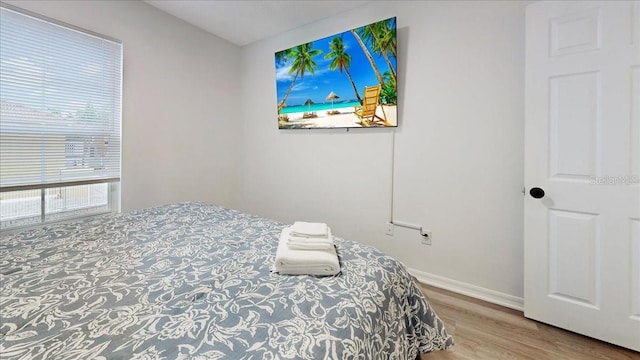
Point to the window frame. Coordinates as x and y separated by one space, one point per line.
113 183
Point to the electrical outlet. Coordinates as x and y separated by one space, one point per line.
389 230
426 239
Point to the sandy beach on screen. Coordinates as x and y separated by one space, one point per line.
346 118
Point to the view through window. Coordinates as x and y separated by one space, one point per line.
60 120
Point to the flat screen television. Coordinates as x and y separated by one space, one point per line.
346 80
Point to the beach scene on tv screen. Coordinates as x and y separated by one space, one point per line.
345 80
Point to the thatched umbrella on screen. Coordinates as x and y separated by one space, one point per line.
309 102
332 96
309 114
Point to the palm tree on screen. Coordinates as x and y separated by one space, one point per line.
282 57
382 37
302 56
368 55
341 60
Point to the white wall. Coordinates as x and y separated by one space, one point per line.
180 88
458 150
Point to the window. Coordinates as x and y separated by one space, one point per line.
60 116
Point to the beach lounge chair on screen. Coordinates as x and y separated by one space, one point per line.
367 112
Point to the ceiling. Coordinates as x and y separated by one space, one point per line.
243 22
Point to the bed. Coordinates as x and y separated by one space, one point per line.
194 281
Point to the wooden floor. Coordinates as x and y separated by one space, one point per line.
483 330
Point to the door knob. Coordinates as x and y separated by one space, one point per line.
536 192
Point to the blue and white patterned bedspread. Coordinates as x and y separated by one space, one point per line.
193 280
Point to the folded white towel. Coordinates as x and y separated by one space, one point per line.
308 243
307 229
301 262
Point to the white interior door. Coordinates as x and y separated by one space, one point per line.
582 147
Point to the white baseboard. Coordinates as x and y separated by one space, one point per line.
495 297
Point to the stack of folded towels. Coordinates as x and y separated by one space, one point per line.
307 249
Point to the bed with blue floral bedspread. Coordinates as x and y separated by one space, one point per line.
193 281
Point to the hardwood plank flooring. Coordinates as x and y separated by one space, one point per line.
482 330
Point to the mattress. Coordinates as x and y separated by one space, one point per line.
194 281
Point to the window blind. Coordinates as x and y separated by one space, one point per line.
60 104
